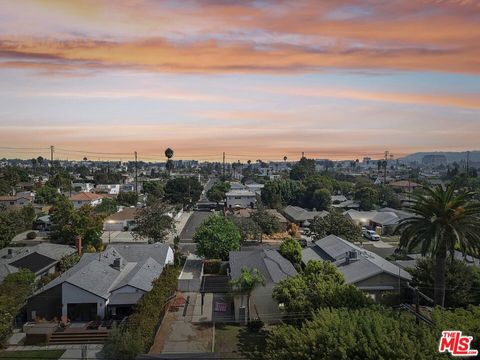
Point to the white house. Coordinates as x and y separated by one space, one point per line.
240 199
122 220
101 284
86 198
111 189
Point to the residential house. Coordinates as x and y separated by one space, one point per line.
111 189
86 198
411 260
384 221
123 220
102 284
254 187
301 216
273 267
43 223
15 201
83 186
240 199
41 259
362 268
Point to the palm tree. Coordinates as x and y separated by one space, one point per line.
169 155
444 219
285 158
246 283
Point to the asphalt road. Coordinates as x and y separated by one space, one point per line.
186 236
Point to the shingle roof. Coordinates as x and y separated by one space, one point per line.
271 265
240 193
125 214
300 214
385 218
141 264
368 264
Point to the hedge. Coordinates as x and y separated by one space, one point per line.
138 333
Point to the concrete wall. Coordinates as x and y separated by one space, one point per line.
74 295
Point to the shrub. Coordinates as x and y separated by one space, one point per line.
255 325
212 266
31 235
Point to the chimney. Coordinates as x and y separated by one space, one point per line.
78 245
9 253
117 263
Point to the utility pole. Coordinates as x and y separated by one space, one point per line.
468 160
303 154
223 168
136 174
52 149
385 168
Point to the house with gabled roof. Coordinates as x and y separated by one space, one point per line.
273 267
102 284
362 268
86 198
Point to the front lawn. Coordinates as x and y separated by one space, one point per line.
32 354
235 340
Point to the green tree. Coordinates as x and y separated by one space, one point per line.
321 199
388 197
320 285
68 261
343 334
462 282
267 222
127 198
367 197
443 220
13 222
291 250
246 284
217 191
107 207
216 237
4 187
335 224
154 189
184 191
47 195
154 222
281 192
249 229
302 169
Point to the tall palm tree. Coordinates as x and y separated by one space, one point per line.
246 283
444 219
169 164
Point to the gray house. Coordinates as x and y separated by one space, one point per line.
274 268
301 216
364 269
102 284
41 259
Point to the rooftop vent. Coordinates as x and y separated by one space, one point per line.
351 256
117 263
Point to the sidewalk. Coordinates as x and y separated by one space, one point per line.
179 225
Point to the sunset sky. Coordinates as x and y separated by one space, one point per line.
336 79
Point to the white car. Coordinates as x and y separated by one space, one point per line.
372 235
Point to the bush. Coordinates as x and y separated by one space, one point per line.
31 235
137 334
255 326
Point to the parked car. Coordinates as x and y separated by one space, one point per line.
372 235
303 242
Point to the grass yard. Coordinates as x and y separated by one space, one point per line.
234 340
32 354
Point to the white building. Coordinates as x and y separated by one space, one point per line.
86 198
111 189
240 199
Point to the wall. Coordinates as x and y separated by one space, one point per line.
74 295
47 304
261 301
240 201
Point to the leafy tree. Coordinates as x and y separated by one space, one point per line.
14 291
281 192
47 195
107 207
462 282
127 198
320 285
249 229
388 197
335 224
246 284
183 191
4 187
267 222
13 222
368 333
321 199
367 197
444 219
216 237
291 250
61 180
68 223
217 191
302 169
154 189
68 261
154 222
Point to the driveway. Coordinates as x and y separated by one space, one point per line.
193 222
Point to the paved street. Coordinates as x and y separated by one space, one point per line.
186 236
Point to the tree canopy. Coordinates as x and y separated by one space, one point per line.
13 222
335 224
154 222
216 237
291 250
184 191
302 169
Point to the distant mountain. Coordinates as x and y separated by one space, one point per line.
451 156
